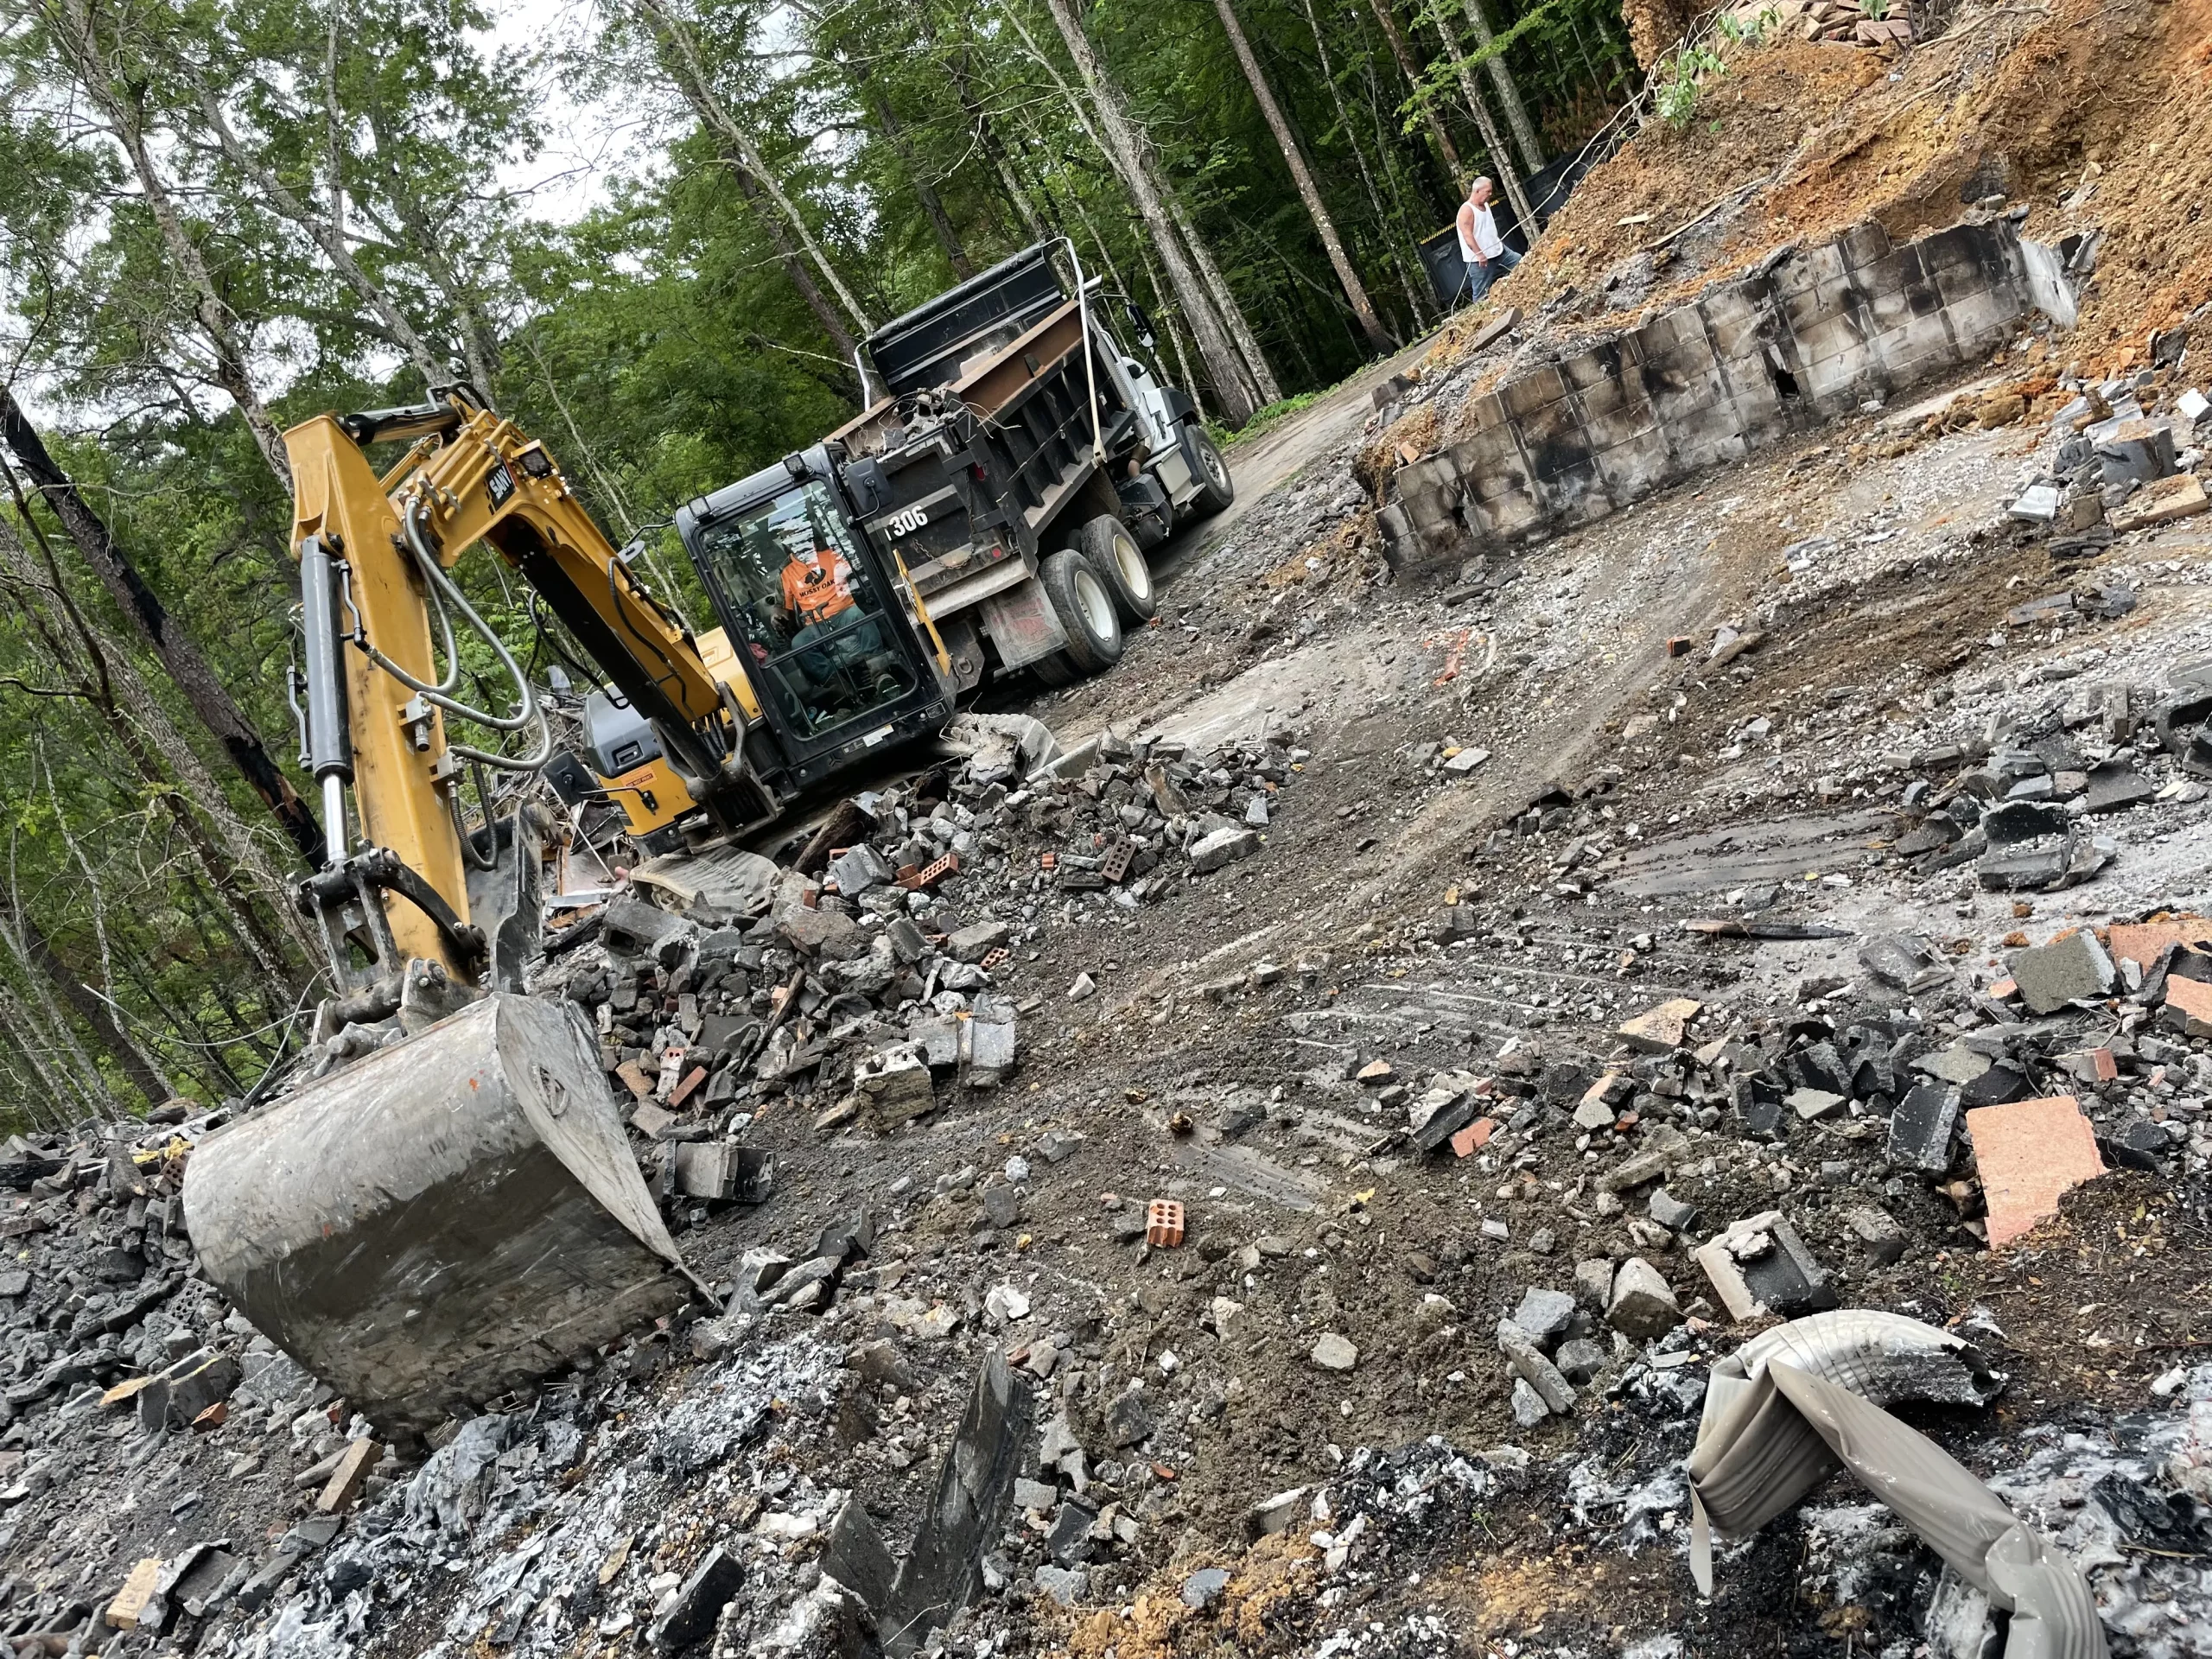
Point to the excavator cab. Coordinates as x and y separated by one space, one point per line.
818 622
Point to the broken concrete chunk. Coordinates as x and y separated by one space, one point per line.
1529 1363
1528 1408
1878 1230
2029 1151
1333 1353
1922 1128
1223 847
1661 1030
1642 1306
1579 1359
1759 1265
2067 970
1671 1212
689 1617
972 943
1593 1283
1546 1314
858 868
1811 1103
1956 1064
1438 1115
1895 959
2116 785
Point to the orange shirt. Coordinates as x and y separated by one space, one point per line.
813 594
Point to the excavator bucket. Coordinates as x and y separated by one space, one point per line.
447 1219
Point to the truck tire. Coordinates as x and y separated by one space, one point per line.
1085 605
1216 489
1106 542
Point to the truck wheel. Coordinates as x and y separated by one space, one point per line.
1085 606
1106 542
1215 488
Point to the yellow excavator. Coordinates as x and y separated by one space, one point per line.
456 1213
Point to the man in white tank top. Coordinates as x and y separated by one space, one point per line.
1483 248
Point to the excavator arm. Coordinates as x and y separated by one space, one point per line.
383 618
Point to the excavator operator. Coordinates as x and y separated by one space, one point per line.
817 585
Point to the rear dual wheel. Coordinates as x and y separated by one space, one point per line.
1120 563
1086 606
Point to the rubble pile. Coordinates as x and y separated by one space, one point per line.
1841 22
870 984
2120 455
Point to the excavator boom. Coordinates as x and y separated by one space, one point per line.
459 1210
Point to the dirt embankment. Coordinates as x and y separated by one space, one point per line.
2094 116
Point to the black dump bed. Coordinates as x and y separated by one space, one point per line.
929 346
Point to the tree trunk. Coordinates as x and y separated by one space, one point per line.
1412 68
329 236
180 654
1509 94
1226 305
679 55
1166 308
51 1024
136 1064
117 103
925 193
21 1020
107 680
1493 141
1124 146
832 320
1347 277
1382 214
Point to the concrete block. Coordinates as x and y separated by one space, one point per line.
1580 497
1532 391
1863 244
1554 438
1710 448
1487 410
1509 513
1637 466
1614 406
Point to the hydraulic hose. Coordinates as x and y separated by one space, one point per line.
442 591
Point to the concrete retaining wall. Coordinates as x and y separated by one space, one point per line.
1810 335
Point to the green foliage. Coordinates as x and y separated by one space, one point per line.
1681 82
1733 28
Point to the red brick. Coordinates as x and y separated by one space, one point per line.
2188 1005
1163 1223
1472 1138
2029 1151
681 1092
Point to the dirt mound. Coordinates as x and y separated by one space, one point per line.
2094 116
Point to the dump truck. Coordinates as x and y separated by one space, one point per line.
992 510
456 1214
